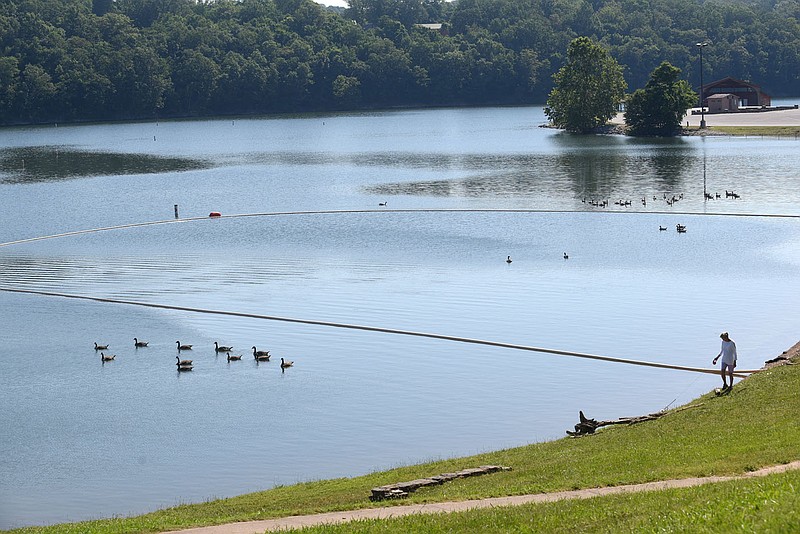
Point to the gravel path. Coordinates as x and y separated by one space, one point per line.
294 522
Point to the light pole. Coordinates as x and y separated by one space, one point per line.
700 47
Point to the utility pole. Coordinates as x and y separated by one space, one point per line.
700 46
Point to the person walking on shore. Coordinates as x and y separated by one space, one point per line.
728 354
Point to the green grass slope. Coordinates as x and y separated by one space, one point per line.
770 504
754 426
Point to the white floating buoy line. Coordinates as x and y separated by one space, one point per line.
738 373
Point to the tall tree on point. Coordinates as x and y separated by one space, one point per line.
588 89
659 108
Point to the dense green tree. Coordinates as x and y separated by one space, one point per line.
36 92
347 90
146 12
101 7
195 79
659 108
9 79
588 89
141 81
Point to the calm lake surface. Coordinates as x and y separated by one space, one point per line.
94 439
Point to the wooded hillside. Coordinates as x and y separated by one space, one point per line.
64 60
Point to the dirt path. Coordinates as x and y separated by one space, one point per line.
299 521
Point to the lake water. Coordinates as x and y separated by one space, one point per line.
94 439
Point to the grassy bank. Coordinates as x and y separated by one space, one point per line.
755 131
771 504
754 426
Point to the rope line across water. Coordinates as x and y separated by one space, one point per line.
738 373
387 210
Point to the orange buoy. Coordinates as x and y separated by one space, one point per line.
215 214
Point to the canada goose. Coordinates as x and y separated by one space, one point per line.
183 347
104 358
565 256
286 363
234 358
508 259
662 228
182 363
137 343
100 347
183 368
260 352
381 203
262 357
221 348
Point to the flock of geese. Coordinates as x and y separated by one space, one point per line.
187 365
669 199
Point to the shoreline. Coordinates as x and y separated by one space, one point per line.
311 503
773 119
343 517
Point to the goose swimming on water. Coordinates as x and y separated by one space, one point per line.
221 348
183 347
137 343
182 363
261 355
100 347
104 358
234 358
286 363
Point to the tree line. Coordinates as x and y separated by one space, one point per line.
65 60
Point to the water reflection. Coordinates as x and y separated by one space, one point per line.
601 172
53 163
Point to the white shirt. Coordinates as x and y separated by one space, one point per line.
728 352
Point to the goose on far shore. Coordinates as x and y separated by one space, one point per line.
100 347
221 348
183 347
137 343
